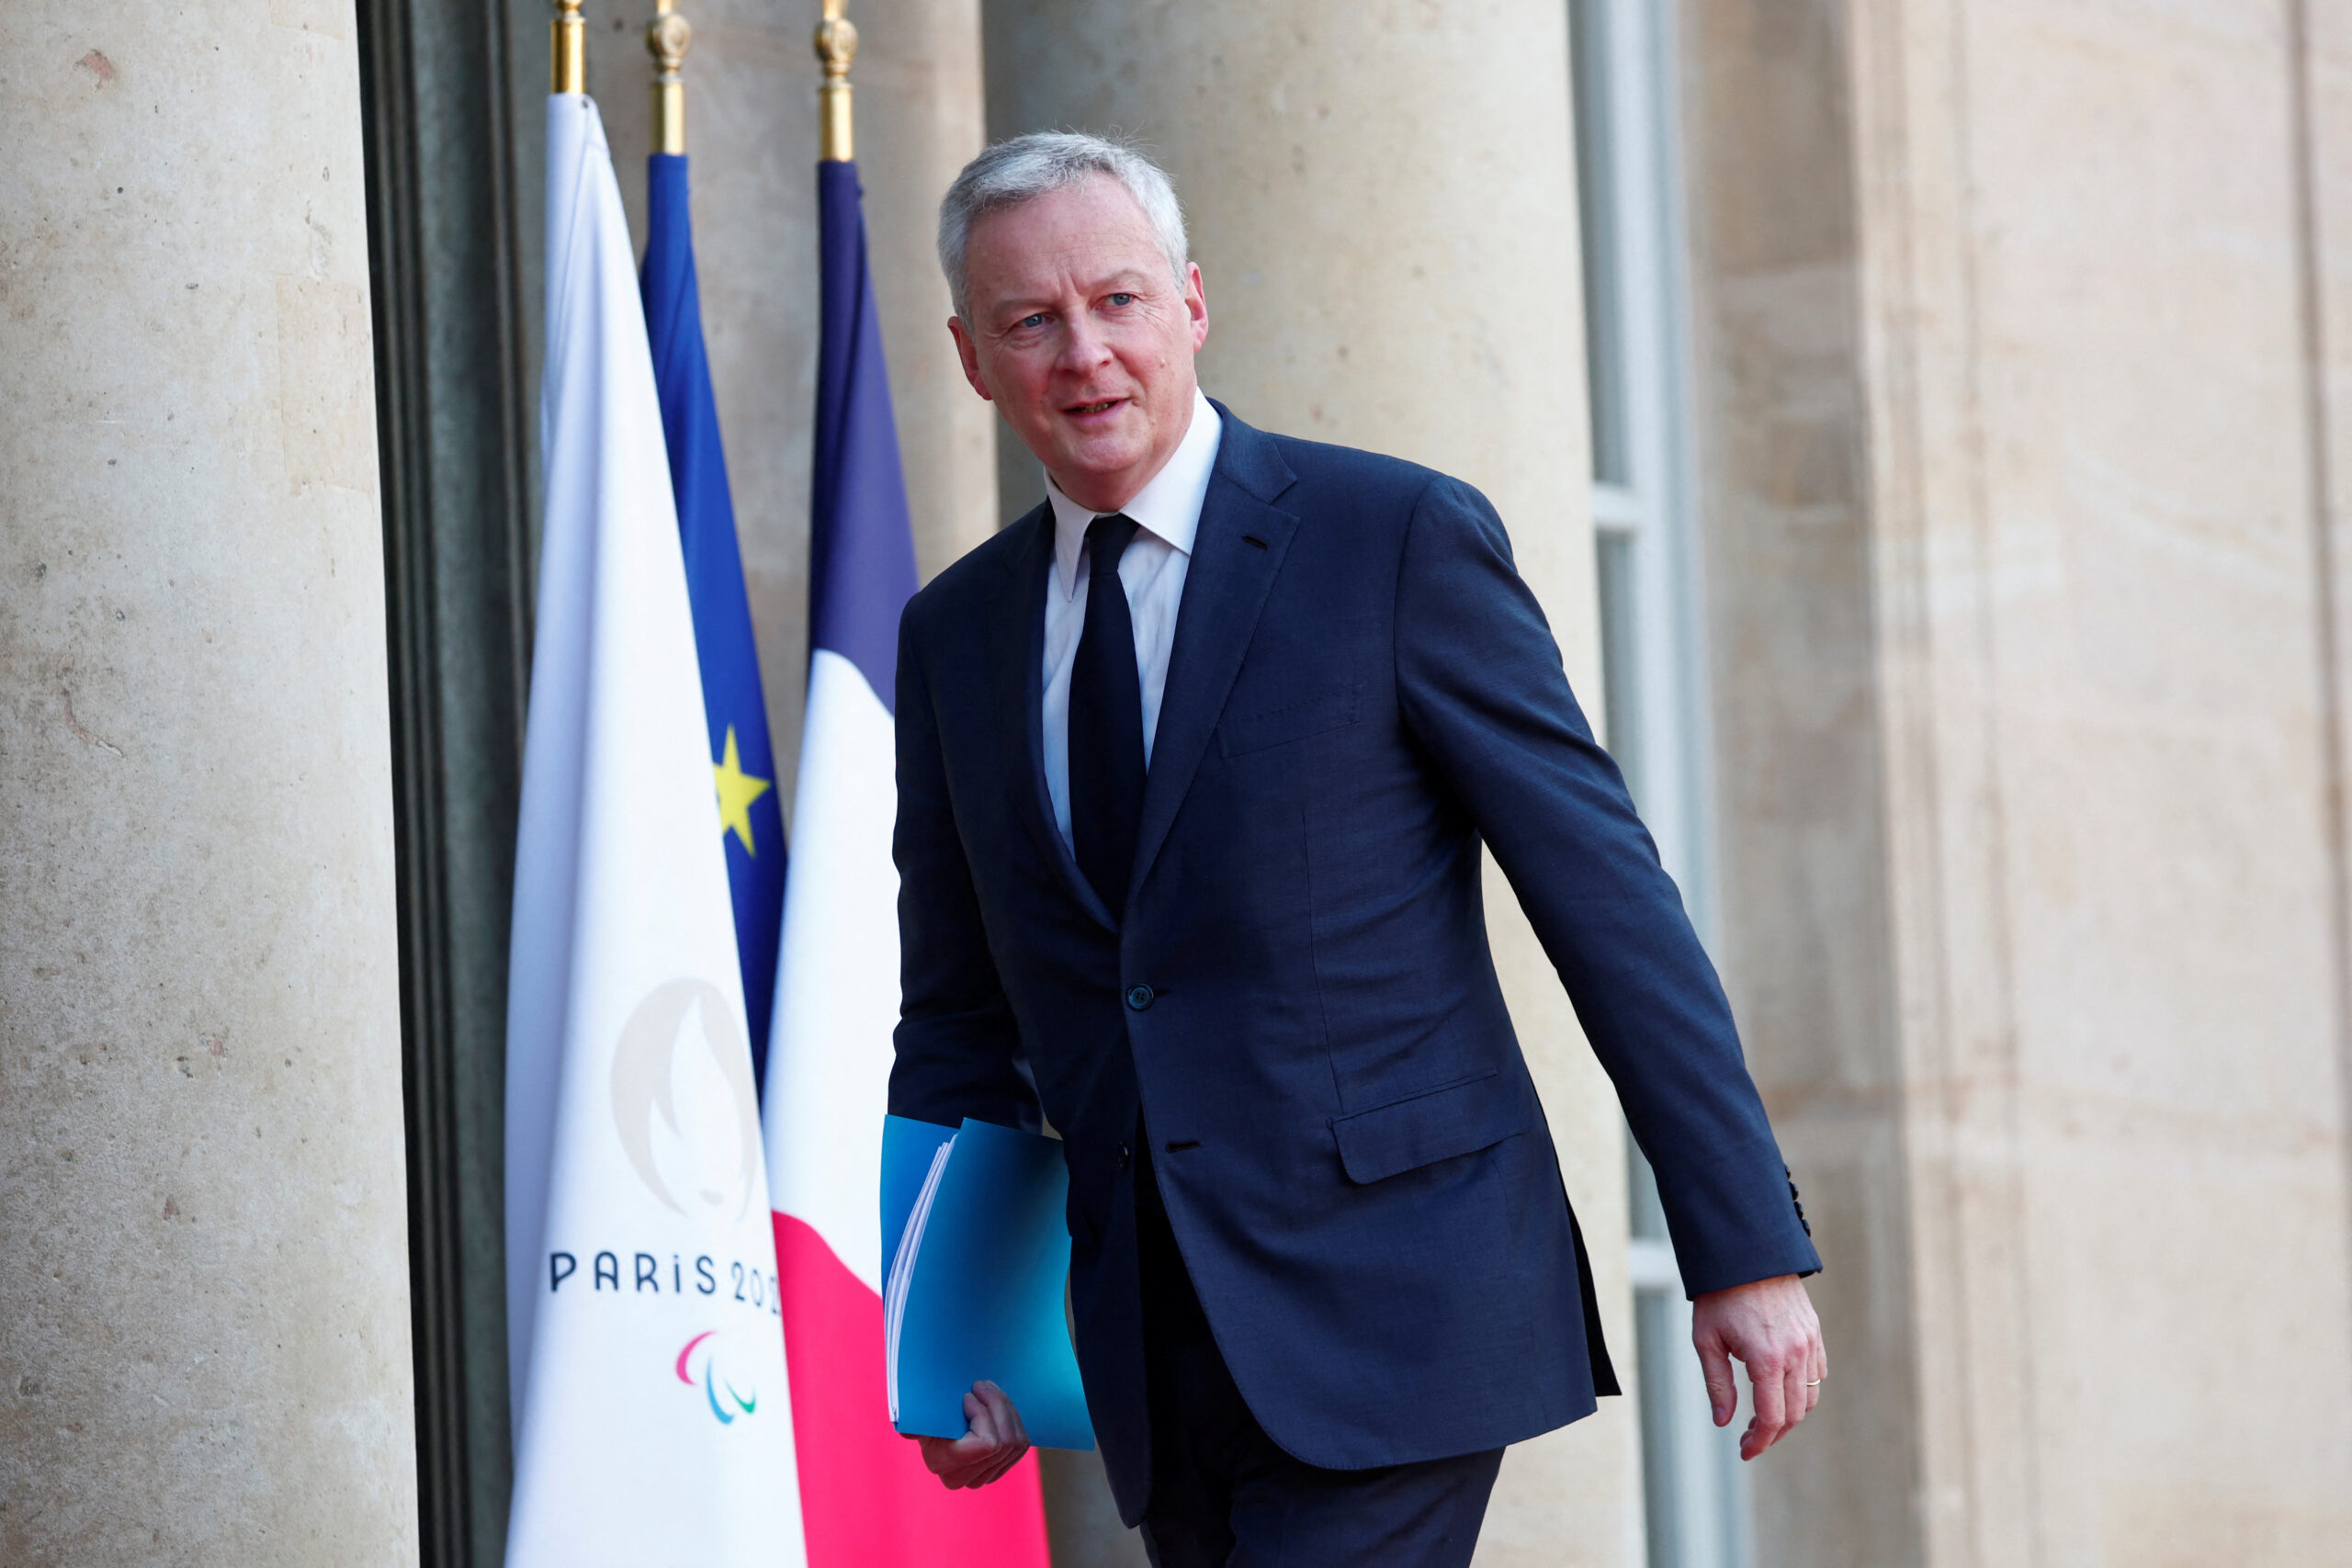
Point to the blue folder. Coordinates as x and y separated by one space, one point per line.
973 1225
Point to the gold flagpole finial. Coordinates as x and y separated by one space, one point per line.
836 46
667 39
568 48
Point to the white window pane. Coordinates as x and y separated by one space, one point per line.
1694 1499
1597 211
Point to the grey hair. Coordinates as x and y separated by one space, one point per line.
1026 167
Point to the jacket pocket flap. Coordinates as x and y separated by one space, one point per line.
1459 1119
1293 721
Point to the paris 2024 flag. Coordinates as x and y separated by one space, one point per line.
869 1501
652 1411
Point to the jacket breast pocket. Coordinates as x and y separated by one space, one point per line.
1459 1119
1292 721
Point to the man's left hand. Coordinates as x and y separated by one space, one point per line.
993 1444
1769 1326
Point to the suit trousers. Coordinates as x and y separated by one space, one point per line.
1224 1494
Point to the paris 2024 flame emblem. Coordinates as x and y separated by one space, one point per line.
689 1122
683 1100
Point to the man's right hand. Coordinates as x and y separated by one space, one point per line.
1771 1326
993 1444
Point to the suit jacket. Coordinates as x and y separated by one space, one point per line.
1300 1002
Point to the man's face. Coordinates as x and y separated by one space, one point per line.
1082 338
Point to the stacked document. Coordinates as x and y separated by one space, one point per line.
973 1224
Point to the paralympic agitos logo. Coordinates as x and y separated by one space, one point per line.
726 1401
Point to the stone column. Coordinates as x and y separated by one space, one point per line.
204 1339
1382 199
920 119
1803 921
2024 360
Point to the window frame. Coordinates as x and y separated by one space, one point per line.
1697 1509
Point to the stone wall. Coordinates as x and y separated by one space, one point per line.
204 1332
2017 356
1784 495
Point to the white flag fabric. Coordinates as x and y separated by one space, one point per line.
652 1423
837 972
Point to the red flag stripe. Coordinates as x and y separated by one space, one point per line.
865 1499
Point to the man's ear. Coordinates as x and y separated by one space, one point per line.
1196 304
967 353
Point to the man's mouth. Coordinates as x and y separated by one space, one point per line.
1104 406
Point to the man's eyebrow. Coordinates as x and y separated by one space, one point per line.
1125 280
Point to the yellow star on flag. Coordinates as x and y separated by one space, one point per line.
737 790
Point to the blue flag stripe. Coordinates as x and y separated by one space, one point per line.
861 557
734 705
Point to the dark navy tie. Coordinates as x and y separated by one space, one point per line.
1106 766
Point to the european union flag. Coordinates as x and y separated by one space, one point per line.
750 812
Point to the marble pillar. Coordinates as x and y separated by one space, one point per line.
1802 902
920 119
204 1331
1382 199
2023 356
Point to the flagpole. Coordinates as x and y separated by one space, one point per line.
568 48
836 46
667 39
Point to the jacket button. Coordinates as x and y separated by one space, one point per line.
1139 997
1124 1156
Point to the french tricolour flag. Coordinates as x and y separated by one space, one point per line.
867 1500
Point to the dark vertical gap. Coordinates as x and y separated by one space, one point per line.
452 443
516 437
405 461
506 535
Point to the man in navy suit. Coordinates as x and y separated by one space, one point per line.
1195 763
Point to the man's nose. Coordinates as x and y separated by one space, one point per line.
1085 347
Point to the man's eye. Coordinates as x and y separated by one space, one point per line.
1036 321
1122 300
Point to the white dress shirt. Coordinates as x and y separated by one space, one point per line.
1168 513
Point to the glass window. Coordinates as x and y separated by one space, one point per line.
1596 198
1620 694
1695 1500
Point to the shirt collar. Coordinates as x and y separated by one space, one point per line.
1168 508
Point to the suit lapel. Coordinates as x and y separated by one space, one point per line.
1017 651
1236 553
